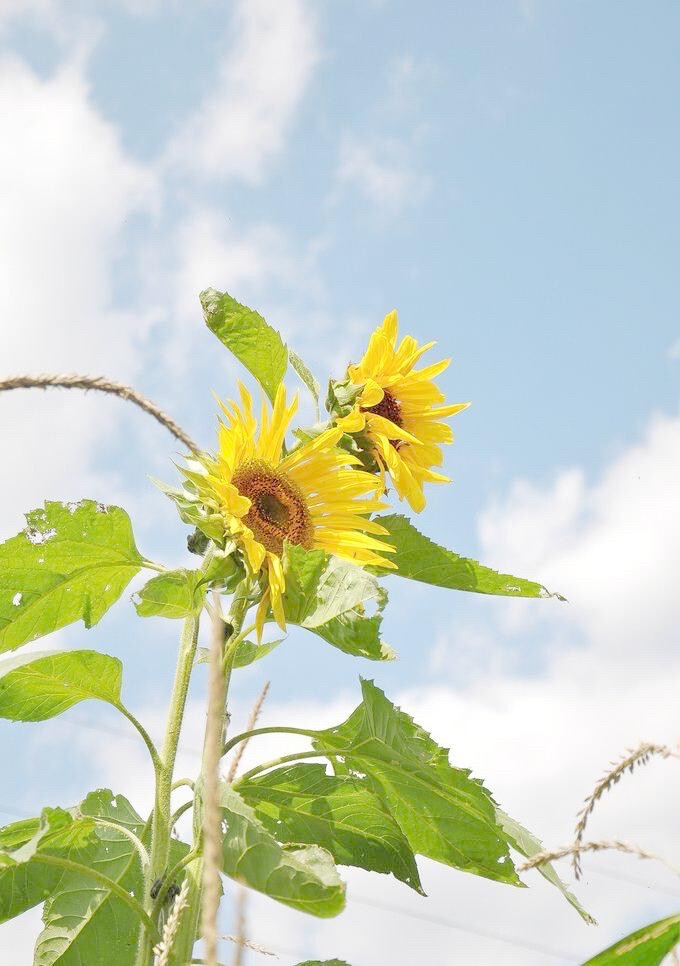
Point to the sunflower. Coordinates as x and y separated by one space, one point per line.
395 410
312 496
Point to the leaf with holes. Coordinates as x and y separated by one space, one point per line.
301 804
304 878
176 594
444 813
73 561
421 559
648 946
246 334
35 687
528 845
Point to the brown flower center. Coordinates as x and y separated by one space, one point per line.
388 408
278 511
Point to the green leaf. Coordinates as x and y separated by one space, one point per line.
444 814
246 652
307 376
358 634
83 920
176 594
421 559
245 333
300 803
326 595
528 845
645 947
72 562
304 878
36 687
325 962
24 880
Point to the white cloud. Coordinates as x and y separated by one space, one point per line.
262 77
539 741
380 172
673 351
66 190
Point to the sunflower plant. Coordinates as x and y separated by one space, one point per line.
294 527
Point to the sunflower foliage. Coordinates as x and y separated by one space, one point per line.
291 526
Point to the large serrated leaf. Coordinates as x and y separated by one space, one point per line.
300 803
647 946
35 687
244 332
326 595
72 562
421 559
176 594
304 878
25 881
443 812
528 845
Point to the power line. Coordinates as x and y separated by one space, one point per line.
451 924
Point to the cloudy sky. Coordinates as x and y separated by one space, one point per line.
505 174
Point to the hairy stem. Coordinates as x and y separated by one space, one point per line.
284 759
162 813
272 730
153 751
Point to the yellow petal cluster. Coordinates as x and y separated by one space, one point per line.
398 410
312 496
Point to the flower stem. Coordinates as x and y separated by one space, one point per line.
162 813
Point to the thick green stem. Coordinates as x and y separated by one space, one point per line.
186 935
162 813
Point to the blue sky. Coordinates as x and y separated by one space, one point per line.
505 175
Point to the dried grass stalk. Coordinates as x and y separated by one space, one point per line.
632 759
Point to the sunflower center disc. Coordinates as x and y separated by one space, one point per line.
388 408
278 511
